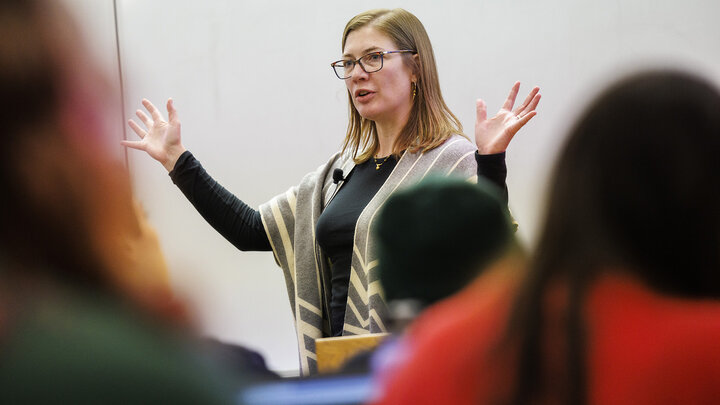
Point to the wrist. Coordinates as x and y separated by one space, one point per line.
172 157
490 148
490 151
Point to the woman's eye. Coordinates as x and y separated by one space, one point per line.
347 64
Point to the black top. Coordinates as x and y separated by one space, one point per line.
236 221
242 225
335 229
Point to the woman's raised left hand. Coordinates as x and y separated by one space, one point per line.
494 135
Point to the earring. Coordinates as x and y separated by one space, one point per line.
414 89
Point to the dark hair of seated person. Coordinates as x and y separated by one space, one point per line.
436 236
636 190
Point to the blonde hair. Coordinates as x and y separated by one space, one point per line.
431 122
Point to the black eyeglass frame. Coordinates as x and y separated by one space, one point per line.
341 63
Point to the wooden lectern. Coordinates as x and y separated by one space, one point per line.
333 352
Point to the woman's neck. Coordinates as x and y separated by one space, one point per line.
387 133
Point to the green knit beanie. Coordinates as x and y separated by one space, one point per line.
437 235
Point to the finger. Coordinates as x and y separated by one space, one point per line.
511 97
530 107
172 112
144 118
136 128
533 105
154 112
522 121
528 100
481 110
133 144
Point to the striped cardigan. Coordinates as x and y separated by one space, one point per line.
290 218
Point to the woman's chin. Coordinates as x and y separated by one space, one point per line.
367 113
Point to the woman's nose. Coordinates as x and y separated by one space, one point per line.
358 72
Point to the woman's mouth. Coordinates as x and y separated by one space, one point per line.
363 95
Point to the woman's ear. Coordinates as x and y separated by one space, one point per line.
416 72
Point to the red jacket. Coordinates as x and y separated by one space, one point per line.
643 347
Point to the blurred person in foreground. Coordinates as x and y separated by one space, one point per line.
434 238
86 312
621 302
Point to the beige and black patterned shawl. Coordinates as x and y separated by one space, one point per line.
289 220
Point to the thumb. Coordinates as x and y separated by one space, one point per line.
481 110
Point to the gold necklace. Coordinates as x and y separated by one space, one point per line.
377 165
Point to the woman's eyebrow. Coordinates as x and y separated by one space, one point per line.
365 52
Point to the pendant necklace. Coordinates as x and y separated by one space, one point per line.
377 165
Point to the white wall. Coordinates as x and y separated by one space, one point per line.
260 107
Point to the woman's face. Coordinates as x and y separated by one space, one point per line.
384 95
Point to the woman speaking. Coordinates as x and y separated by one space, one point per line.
320 231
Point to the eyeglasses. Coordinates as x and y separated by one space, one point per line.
370 63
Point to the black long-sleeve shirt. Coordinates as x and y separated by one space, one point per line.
240 224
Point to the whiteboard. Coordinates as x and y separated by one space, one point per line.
260 107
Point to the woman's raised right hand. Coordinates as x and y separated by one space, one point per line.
161 140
